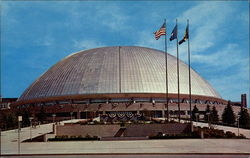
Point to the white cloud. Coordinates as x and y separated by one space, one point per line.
206 18
113 17
226 57
234 67
98 14
46 40
244 16
145 39
8 20
87 44
232 85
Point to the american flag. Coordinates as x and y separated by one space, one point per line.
160 32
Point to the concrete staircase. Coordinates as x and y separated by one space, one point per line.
120 132
122 138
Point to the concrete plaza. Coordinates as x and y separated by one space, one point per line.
9 144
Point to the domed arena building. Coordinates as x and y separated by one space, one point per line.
119 82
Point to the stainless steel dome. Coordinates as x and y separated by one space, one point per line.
97 71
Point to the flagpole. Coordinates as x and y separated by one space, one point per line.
178 77
189 75
166 62
120 85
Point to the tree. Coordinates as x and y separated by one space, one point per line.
207 112
214 115
11 121
3 120
195 110
41 116
228 116
26 115
146 114
244 118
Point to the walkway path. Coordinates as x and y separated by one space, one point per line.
245 132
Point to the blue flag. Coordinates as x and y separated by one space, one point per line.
174 34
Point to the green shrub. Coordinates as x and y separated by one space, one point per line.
172 121
73 138
159 134
241 136
230 134
95 137
173 136
196 133
87 136
122 124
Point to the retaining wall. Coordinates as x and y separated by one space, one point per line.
83 130
143 130
132 130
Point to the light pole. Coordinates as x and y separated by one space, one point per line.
71 113
30 118
238 118
0 141
53 115
196 116
208 121
20 118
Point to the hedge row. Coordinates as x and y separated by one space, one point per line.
73 138
207 133
173 136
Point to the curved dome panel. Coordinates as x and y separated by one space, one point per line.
98 71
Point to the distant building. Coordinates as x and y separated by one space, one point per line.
244 100
242 103
236 103
6 102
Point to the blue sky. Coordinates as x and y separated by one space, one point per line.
36 35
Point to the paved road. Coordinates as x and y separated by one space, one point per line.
141 146
134 156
